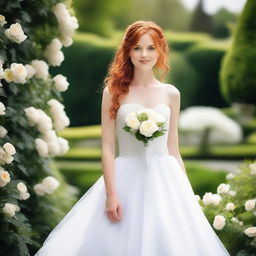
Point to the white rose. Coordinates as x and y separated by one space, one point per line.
15 33
232 192
21 187
8 75
9 148
39 189
30 71
4 177
41 147
63 144
132 122
61 122
251 231
2 109
219 222
19 73
41 69
156 117
210 198
50 184
234 219
49 136
1 69
3 131
223 188
148 127
32 115
60 82
54 148
230 206
252 167
2 20
45 124
230 176
53 52
249 205
24 195
197 197
9 209
67 41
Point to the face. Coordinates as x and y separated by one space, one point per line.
144 53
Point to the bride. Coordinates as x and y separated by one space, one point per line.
143 203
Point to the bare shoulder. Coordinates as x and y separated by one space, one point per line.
172 92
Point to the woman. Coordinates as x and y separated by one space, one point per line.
143 204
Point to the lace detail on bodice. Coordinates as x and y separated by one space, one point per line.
128 145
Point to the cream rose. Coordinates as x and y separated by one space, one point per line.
41 147
132 122
39 189
24 195
2 20
148 127
15 33
230 206
30 71
4 177
8 75
232 192
9 148
21 187
251 231
249 205
19 73
50 184
53 52
41 69
219 222
3 131
223 188
10 209
2 109
60 82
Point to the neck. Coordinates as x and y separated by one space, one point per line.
143 78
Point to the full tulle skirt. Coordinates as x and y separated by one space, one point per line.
161 216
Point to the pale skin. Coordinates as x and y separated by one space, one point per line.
144 89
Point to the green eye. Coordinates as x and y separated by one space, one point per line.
136 48
151 48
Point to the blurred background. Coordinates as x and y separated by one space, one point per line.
217 126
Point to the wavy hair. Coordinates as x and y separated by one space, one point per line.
121 70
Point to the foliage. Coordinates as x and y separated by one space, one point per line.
238 76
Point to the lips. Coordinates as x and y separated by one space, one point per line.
144 61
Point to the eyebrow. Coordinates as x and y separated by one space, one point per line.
148 45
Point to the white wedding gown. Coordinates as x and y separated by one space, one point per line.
161 215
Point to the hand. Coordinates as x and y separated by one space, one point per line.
113 208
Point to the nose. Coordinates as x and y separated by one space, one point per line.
144 53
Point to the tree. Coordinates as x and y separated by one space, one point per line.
238 76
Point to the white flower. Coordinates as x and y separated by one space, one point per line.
197 197
15 33
54 148
1 69
132 122
249 205
41 69
234 219
8 75
10 209
60 82
30 71
223 188
39 189
24 195
156 116
64 146
210 198
19 73
230 206
32 115
49 136
252 167
232 192
41 147
2 109
240 223
251 231
219 222
9 148
230 176
50 184
66 23
53 52
3 131
21 187
148 127
2 20
198 118
4 177
5 158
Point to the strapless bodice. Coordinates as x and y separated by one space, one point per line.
128 145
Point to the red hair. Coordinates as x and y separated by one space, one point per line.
120 72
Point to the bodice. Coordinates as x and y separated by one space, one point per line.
128 145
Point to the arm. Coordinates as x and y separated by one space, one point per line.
107 144
173 141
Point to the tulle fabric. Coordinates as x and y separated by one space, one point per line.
161 216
